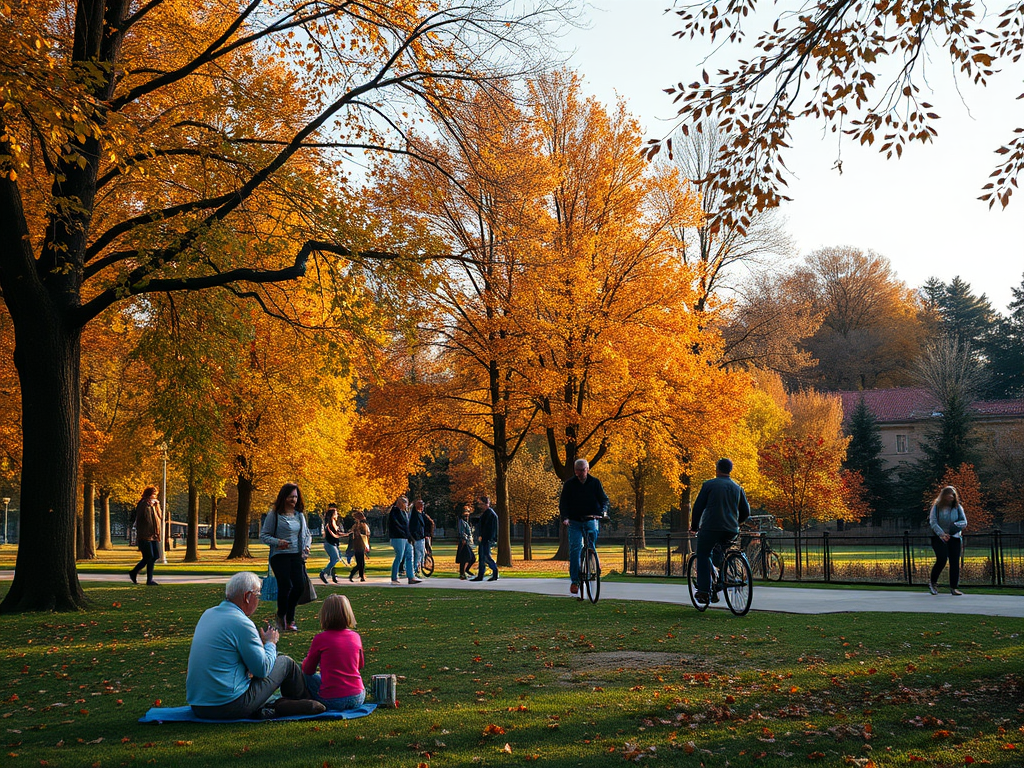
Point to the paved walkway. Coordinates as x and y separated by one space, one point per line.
778 599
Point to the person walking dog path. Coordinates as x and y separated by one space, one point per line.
799 600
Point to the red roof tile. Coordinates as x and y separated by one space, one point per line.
917 403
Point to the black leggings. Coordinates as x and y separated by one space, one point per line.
360 569
150 551
288 570
947 550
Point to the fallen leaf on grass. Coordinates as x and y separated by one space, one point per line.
493 729
815 755
941 734
507 749
1009 746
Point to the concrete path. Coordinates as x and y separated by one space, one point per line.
778 599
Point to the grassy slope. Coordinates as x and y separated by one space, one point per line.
571 683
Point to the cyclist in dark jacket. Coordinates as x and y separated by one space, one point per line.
718 511
581 501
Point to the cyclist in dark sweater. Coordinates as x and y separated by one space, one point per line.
580 503
718 511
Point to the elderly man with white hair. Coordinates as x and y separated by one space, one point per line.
581 504
234 668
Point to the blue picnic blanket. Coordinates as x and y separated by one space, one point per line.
186 715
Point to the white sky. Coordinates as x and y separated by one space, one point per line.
922 212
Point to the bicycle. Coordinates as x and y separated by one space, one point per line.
764 561
734 579
590 567
427 566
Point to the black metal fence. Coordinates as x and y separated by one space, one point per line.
989 559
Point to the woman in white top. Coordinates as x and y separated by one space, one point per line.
286 532
947 521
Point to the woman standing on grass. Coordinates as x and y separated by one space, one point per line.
947 521
148 523
333 532
286 533
359 535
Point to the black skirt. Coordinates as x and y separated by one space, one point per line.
464 554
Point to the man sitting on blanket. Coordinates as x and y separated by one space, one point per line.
234 668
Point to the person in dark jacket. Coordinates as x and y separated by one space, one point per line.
418 533
401 540
148 523
718 511
487 534
580 503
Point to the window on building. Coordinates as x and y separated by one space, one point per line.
902 446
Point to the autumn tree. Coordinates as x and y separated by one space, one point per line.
870 324
1002 469
855 68
533 494
146 137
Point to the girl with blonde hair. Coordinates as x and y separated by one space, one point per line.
338 651
947 521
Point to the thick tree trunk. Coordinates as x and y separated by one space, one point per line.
87 533
640 497
192 534
240 547
47 355
213 521
105 541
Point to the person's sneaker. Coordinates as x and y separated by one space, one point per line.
414 580
701 597
574 589
714 597
395 581
291 707
152 583
933 588
477 578
493 578
293 627
955 592
322 577
133 576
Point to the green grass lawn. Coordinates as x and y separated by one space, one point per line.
562 683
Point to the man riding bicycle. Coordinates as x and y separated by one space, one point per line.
581 503
718 511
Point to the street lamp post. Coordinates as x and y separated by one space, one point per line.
163 508
7 502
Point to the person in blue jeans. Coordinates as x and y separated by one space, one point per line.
718 511
581 501
418 533
487 534
401 540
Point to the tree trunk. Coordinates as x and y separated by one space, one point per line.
501 507
640 499
105 541
240 547
213 521
527 539
87 539
192 535
47 355
562 553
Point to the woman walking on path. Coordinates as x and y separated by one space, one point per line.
401 540
360 544
148 524
464 554
286 533
947 521
333 531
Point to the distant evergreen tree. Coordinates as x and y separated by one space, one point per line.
864 455
1004 348
966 317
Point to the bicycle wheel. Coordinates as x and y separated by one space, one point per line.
427 566
775 566
691 584
738 583
593 583
584 575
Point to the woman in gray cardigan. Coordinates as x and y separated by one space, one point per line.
947 521
286 533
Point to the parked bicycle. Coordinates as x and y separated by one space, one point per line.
765 562
733 579
590 567
427 566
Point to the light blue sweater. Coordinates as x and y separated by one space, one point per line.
226 645
951 520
